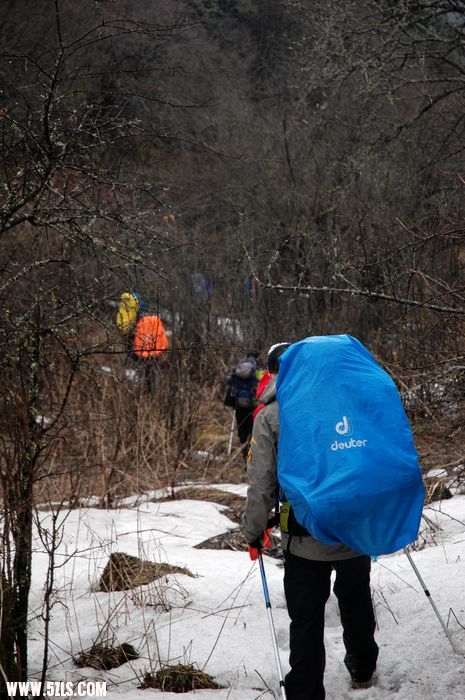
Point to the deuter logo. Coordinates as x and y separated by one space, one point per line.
344 427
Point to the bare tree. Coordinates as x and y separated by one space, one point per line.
76 221
355 225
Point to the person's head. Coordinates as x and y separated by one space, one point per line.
254 353
274 353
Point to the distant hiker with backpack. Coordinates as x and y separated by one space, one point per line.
241 387
130 308
149 345
308 564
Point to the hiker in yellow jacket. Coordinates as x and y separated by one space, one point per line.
130 307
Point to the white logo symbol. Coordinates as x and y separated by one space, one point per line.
344 427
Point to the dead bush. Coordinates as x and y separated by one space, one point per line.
125 571
179 679
105 657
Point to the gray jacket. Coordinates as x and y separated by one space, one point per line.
263 489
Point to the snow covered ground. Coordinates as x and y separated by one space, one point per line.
217 619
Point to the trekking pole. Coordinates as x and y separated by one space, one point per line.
270 619
231 434
433 605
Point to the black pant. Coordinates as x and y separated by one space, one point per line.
307 588
244 421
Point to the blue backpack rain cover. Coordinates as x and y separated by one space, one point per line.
346 459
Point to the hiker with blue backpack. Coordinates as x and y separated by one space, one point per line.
349 488
308 565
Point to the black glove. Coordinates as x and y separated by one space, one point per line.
257 545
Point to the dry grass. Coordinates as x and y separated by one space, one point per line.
179 678
125 571
114 439
106 657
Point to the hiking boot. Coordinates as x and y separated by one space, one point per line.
362 685
362 675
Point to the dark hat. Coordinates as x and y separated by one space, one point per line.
274 353
253 353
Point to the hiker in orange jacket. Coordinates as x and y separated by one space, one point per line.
149 344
